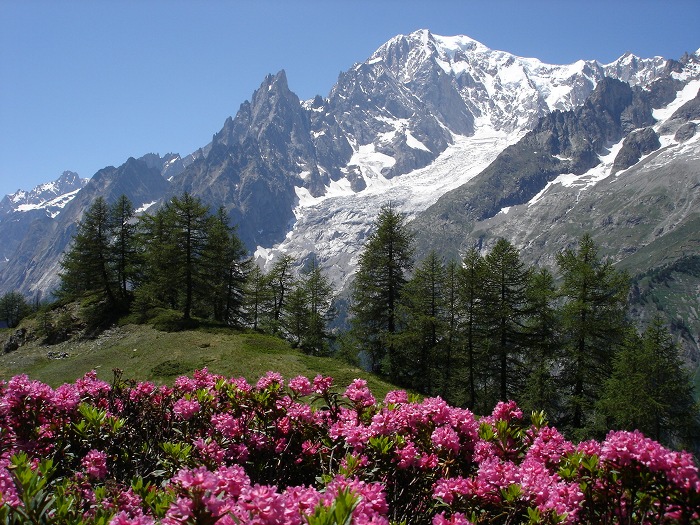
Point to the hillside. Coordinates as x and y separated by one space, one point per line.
144 353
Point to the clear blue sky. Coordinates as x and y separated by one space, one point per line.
87 84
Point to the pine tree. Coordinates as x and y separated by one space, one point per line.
124 251
174 242
651 390
258 298
319 296
160 280
472 322
13 308
504 301
424 318
190 222
281 282
541 328
225 267
449 381
593 325
382 272
295 314
87 265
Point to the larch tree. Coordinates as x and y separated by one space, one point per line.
505 306
382 272
593 325
87 266
542 340
423 313
651 390
319 305
124 252
471 322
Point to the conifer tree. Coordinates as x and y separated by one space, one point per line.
174 241
593 325
295 313
225 269
190 227
319 297
281 282
651 390
124 250
258 300
87 265
160 280
448 363
13 308
382 272
504 301
471 306
542 342
424 318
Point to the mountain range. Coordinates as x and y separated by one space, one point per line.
471 143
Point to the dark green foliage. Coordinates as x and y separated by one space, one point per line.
13 308
542 331
471 307
650 389
124 252
102 262
281 282
88 266
193 262
425 322
318 309
593 325
258 298
226 267
504 305
381 274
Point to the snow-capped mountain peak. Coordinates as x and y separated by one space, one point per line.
50 196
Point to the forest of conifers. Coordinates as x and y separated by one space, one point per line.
473 331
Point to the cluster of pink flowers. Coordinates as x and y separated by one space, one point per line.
211 449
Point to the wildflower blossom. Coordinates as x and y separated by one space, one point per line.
95 464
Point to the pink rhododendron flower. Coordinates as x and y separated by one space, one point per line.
359 394
95 464
456 518
123 518
322 385
300 385
446 438
395 397
186 408
270 379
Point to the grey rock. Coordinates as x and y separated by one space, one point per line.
686 132
636 144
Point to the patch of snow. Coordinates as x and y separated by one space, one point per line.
144 207
413 142
335 225
504 211
689 92
586 180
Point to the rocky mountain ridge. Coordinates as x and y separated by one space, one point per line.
460 137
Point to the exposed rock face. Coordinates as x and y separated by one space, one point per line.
34 265
422 116
636 144
17 339
561 142
686 132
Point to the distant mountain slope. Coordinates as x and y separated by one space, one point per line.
470 142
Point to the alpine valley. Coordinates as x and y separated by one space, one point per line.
471 143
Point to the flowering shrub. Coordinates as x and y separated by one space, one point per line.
212 450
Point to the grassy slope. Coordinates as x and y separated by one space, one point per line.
143 353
